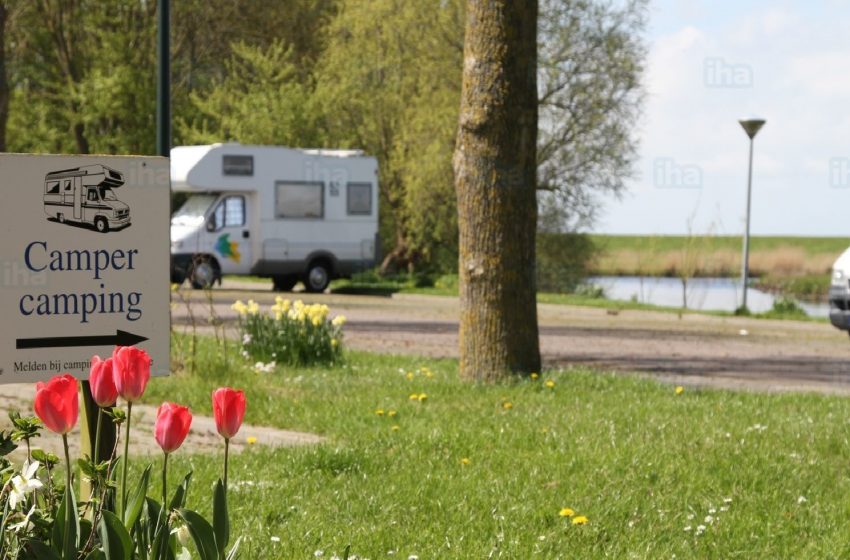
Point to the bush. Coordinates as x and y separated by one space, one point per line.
785 307
563 260
291 333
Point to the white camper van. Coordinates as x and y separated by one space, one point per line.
283 213
839 292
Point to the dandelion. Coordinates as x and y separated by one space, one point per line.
391 413
414 396
465 461
422 397
580 520
395 427
409 376
534 376
379 411
549 384
566 512
507 405
334 342
251 440
680 390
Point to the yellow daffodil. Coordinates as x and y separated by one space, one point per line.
253 308
338 321
316 321
334 342
566 512
579 520
239 307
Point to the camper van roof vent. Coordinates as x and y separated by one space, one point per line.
238 165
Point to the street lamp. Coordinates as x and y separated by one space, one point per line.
751 127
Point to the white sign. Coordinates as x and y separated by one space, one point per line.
84 262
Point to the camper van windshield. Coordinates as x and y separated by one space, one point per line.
194 208
107 194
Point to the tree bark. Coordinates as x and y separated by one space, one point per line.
495 181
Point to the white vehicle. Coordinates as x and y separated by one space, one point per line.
85 195
839 292
283 213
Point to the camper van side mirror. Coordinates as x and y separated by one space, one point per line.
211 223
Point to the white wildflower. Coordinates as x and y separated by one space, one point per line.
275 539
802 500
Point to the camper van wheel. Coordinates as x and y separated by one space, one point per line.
318 277
61 217
101 224
284 282
203 274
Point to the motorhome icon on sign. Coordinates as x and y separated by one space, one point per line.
85 196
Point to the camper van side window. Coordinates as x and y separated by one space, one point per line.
359 197
67 186
300 200
51 187
230 212
238 165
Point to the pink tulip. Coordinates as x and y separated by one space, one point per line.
102 382
56 403
229 410
172 425
131 370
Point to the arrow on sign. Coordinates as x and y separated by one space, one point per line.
120 338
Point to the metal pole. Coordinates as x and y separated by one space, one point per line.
745 269
163 81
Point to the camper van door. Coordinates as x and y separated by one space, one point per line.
227 235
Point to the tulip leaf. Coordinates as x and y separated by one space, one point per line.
114 537
202 533
179 499
234 552
38 550
221 522
134 506
59 527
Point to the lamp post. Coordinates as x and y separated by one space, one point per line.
751 127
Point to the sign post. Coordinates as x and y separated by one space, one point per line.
84 265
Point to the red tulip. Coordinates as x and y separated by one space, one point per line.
56 403
229 410
172 425
102 382
131 370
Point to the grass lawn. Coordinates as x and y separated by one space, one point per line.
766 475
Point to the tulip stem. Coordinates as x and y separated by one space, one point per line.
69 514
226 453
95 455
164 480
124 466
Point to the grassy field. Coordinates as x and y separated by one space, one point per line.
715 255
477 471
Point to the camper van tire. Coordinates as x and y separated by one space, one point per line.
101 224
318 277
61 217
284 282
204 272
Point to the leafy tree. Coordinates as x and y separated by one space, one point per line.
495 165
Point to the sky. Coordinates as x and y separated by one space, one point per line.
711 63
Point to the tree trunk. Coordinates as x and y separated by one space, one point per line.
495 180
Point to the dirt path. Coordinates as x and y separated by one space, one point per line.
694 349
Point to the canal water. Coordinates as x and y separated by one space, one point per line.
706 294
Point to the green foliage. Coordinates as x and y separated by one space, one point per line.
291 333
563 260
